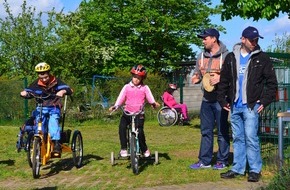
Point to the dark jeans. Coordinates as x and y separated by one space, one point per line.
139 123
212 114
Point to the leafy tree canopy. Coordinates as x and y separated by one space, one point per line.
153 33
267 9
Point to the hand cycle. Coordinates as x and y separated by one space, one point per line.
133 141
40 146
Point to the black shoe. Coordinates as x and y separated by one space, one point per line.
56 147
254 177
229 174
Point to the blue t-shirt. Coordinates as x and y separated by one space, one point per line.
243 63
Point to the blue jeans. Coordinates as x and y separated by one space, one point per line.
53 122
245 124
212 114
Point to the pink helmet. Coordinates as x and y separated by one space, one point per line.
139 70
173 86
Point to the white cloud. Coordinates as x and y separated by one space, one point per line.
40 5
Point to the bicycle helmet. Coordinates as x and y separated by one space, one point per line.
173 86
139 70
42 67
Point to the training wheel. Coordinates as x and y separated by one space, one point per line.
156 158
112 159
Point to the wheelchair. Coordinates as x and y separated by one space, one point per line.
167 117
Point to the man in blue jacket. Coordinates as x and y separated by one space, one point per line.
247 85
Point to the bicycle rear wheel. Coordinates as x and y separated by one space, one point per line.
77 148
36 157
133 154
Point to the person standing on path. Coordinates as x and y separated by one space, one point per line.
247 85
208 65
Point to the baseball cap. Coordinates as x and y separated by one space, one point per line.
209 32
251 33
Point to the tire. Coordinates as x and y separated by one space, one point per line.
112 159
133 154
167 117
77 149
29 145
36 157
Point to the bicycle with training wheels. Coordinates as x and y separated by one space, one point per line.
40 145
134 152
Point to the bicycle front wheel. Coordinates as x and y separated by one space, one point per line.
36 157
133 154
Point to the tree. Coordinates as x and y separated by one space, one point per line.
154 33
282 44
23 41
254 9
27 39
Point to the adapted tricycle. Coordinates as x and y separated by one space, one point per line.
39 145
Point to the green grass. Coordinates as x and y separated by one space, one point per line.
177 148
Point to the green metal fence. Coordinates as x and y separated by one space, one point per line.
268 118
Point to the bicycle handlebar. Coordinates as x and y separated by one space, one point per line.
126 112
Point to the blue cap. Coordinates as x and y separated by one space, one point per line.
209 32
251 33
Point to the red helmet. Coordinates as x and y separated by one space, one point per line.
139 70
173 86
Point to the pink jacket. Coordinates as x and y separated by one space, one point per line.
134 97
169 99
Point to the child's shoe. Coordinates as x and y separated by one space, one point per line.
123 153
147 153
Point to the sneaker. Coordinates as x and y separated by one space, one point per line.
147 153
199 165
219 166
254 177
123 153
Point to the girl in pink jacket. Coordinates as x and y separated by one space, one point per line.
133 95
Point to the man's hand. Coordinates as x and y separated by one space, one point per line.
227 107
214 79
195 78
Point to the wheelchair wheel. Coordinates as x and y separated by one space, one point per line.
133 154
36 157
77 148
167 117
28 147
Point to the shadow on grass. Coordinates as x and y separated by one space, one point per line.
67 164
7 162
46 188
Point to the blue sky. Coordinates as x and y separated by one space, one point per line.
234 27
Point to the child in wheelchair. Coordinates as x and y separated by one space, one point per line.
134 95
170 101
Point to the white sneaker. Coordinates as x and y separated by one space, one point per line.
147 153
123 153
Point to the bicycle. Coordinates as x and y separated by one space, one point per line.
133 142
40 146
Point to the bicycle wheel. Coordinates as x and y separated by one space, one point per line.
77 148
36 157
29 145
133 154
167 117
